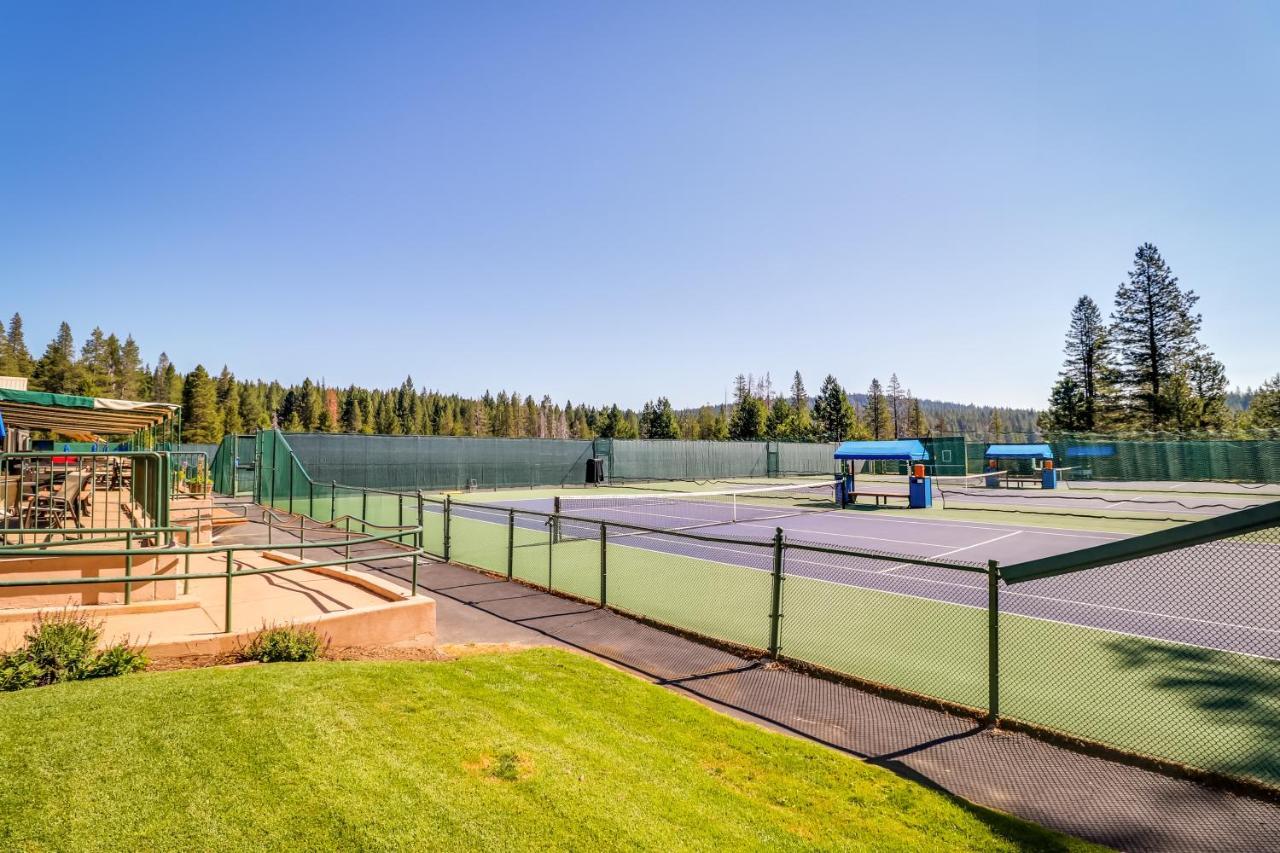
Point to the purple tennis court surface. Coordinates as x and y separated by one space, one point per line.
1189 604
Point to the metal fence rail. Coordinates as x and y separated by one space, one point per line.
1160 649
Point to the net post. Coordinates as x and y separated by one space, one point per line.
604 566
993 642
448 515
511 543
775 615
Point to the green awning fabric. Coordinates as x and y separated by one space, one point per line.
69 413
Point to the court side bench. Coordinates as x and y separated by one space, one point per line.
881 498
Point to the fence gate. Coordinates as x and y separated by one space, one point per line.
771 459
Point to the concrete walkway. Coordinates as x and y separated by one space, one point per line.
1102 801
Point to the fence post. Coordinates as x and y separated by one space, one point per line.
604 567
311 497
291 489
364 510
267 515
333 500
128 565
511 543
551 539
227 628
418 540
400 516
346 554
448 513
775 617
993 642
302 537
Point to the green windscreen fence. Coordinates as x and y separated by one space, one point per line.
440 462
1169 458
407 463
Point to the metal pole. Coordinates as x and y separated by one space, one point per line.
302 536
311 497
511 543
347 547
364 510
333 500
775 615
993 642
448 512
227 629
551 538
604 567
291 489
128 565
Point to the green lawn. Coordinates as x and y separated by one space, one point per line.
533 750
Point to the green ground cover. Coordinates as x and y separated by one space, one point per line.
533 750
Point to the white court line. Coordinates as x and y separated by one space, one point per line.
843 535
975 545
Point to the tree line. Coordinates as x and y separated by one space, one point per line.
1146 369
216 405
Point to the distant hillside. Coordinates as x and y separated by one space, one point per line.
967 417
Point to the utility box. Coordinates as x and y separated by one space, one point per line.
920 492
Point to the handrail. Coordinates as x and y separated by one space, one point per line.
129 580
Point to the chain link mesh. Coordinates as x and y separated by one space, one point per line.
1175 655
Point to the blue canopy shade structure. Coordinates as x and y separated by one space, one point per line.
1019 451
908 450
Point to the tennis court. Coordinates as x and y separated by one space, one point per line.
1165 656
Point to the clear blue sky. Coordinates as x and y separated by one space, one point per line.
612 201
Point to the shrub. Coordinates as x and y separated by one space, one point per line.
62 646
18 673
284 644
120 659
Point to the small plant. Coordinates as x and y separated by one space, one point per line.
284 644
63 646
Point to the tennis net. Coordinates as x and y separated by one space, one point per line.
687 510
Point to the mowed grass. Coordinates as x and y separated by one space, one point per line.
533 750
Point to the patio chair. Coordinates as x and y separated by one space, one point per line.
54 509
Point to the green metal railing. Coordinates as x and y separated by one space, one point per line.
130 554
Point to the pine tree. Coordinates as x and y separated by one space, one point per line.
129 375
201 423
897 414
1089 367
228 392
799 395
833 415
1154 329
1066 412
781 420
1207 379
253 413
917 425
56 370
21 363
995 427
748 421
1264 406
879 422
